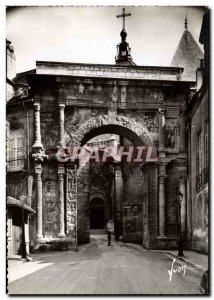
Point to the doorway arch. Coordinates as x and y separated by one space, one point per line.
127 127
97 213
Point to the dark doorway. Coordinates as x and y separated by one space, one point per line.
97 213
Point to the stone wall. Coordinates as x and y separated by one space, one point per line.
145 186
83 202
74 117
172 188
50 201
153 206
199 186
150 206
132 203
108 71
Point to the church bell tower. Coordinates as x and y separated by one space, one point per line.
123 56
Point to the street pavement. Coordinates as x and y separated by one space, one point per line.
99 269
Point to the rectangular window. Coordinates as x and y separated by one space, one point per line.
15 153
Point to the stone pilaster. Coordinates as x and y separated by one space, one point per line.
61 173
38 172
162 200
61 123
177 136
71 201
37 143
118 200
183 189
161 128
39 156
182 124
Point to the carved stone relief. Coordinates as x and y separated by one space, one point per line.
50 221
74 118
170 138
71 202
49 126
138 129
147 119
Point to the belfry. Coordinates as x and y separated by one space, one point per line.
123 50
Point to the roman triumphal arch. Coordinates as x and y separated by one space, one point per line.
132 106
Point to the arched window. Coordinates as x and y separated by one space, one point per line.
15 150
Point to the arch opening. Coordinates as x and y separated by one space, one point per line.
97 213
137 133
113 129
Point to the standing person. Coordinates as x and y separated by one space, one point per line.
109 230
109 238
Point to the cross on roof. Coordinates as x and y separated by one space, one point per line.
124 15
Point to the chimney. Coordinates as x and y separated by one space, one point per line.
10 61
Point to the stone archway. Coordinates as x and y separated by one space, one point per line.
138 135
110 123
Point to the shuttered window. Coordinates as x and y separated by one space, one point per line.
15 151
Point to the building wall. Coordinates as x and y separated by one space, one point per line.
132 202
199 185
172 189
50 201
17 119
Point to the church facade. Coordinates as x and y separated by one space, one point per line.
62 106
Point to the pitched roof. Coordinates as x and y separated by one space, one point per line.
21 77
187 56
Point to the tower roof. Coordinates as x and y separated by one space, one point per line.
187 55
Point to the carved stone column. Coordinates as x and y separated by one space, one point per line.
182 123
118 203
60 174
177 136
39 156
161 128
38 172
162 200
61 123
37 142
71 201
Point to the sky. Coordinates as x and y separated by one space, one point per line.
90 34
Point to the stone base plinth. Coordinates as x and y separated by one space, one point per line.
167 243
54 244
